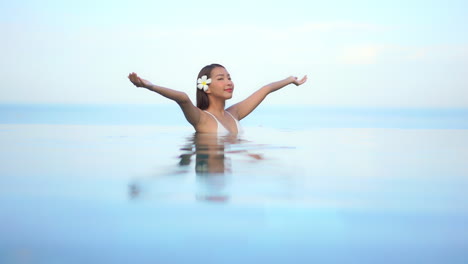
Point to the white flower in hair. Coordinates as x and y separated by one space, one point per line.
203 82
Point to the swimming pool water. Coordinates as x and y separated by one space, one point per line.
74 193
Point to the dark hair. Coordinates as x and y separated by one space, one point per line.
202 98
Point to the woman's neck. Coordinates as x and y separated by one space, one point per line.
216 107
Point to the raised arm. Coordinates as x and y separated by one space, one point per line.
245 107
191 112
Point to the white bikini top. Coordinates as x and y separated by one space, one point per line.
222 130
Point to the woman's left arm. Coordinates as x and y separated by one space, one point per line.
245 107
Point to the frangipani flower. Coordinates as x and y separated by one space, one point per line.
203 83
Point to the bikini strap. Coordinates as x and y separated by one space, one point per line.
231 115
211 115
235 121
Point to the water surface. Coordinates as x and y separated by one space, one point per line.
74 192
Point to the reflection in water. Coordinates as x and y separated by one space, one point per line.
212 155
212 163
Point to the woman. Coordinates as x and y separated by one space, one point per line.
214 87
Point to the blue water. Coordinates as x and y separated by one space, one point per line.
119 184
289 117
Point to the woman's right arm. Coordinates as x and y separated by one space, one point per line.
191 112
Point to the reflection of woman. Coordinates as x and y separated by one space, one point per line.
214 87
211 164
210 153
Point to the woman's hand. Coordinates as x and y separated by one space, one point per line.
297 82
139 82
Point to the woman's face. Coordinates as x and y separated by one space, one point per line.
221 84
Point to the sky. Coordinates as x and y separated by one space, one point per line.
356 53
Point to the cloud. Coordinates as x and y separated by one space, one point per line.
361 54
373 53
442 53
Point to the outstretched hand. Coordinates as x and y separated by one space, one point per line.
297 82
139 82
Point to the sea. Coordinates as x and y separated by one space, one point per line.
301 184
